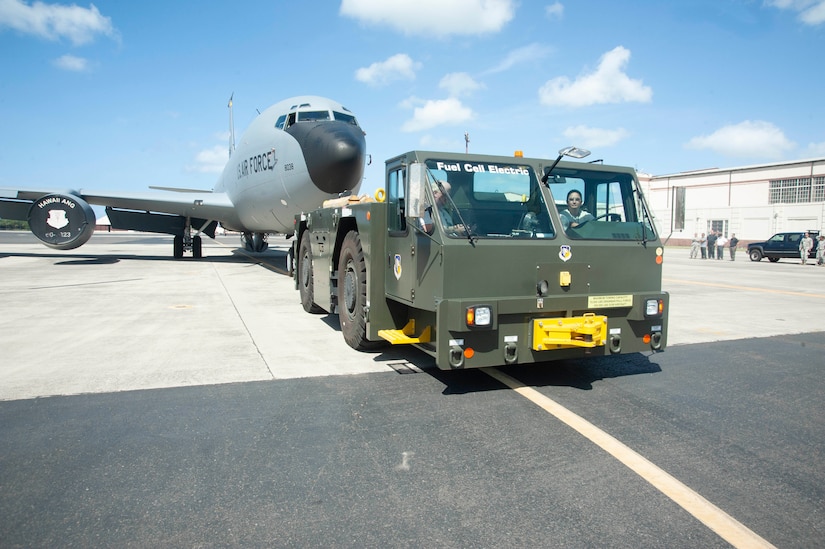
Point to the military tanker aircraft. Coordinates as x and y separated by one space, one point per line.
293 156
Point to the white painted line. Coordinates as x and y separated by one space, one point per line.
731 530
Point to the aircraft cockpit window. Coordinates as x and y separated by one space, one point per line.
312 116
345 117
280 122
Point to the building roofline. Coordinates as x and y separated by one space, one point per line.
704 171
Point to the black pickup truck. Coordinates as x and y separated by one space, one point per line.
781 245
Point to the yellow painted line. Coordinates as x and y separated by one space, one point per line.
728 528
746 288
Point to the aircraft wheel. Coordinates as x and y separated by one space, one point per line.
177 247
246 239
197 247
306 284
352 293
259 243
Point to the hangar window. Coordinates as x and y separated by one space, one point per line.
818 190
790 191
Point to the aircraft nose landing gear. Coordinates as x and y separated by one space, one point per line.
254 242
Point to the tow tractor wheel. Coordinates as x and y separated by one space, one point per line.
306 284
352 294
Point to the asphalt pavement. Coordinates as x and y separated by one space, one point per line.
154 403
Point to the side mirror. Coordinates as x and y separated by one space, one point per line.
573 152
415 192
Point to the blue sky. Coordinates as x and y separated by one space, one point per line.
122 95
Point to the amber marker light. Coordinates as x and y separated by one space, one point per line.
646 339
469 352
659 260
369 214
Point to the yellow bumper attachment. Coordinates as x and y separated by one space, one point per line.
404 335
581 331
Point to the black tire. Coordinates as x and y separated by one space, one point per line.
352 293
755 254
197 247
306 282
177 247
259 244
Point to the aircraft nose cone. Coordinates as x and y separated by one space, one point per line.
334 152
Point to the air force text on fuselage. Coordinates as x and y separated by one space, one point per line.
258 163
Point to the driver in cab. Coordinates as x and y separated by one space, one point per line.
447 222
574 216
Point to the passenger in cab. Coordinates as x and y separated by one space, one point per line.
574 215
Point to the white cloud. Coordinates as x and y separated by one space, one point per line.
210 160
607 84
72 63
436 112
587 137
433 17
748 139
459 83
55 21
815 149
398 67
554 11
811 12
520 56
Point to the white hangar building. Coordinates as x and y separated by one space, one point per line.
754 202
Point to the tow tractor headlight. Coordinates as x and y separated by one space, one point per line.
479 315
654 307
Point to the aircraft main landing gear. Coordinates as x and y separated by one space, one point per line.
186 243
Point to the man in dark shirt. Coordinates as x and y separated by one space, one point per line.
712 236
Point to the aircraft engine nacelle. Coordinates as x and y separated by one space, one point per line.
62 221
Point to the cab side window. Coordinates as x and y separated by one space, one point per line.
396 221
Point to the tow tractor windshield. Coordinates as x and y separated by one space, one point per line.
487 200
600 205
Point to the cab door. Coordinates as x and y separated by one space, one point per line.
400 250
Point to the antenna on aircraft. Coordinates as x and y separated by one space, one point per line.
231 127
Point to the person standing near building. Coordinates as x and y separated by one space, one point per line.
712 244
694 246
732 244
703 245
820 251
721 242
805 247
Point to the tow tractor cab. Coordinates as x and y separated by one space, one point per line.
477 261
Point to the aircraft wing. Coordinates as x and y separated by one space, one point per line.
204 205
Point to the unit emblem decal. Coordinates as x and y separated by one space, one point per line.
57 219
565 253
396 268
